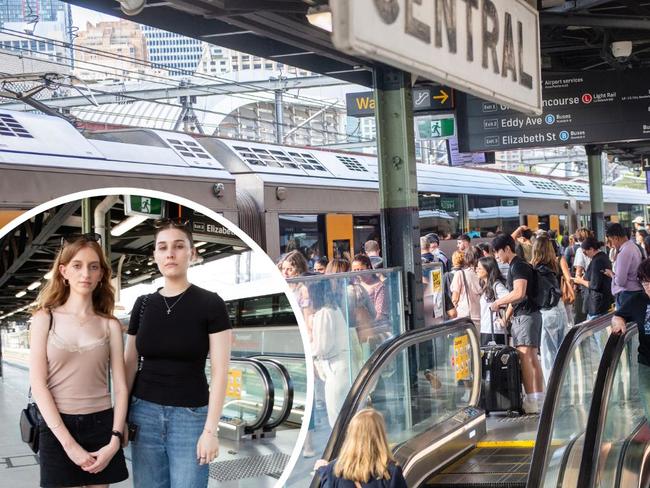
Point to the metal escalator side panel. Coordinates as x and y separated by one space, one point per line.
266 408
634 463
287 394
571 342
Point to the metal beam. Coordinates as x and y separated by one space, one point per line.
595 164
577 5
50 228
586 20
105 96
398 184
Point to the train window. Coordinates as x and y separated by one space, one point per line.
628 212
488 215
366 227
267 310
440 214
304 233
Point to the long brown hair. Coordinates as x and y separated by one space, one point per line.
544 253
365 453
55 293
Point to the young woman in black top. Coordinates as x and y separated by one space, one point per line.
598 285
172 330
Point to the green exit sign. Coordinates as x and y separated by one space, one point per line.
430 129
144 206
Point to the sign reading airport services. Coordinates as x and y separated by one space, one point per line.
489 48
579 108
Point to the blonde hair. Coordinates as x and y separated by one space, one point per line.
56 292
458 259
337 265
544 253
365 454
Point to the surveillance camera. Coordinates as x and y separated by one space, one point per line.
28 29
621 49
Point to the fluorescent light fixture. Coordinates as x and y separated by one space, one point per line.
320 17
139 279
34 285
127 224
48 275
200 243
201 251
21 294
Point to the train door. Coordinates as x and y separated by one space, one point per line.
340 236
546 222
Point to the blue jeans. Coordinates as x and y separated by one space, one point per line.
164 452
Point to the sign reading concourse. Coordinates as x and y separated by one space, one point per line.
579 108
489 48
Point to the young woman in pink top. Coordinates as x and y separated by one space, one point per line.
75 342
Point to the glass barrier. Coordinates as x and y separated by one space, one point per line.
348 316
249 393
433 293
571 406
623 416
267 340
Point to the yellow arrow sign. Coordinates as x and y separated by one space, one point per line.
442 97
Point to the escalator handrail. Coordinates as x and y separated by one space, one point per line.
572 339
599 403
267 401
288 389
379 357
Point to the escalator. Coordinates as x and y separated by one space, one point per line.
426 383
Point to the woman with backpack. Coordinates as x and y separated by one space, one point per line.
554 316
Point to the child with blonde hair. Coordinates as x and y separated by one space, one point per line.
365 460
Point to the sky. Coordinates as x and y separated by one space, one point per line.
82 15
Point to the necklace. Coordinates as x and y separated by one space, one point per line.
169 307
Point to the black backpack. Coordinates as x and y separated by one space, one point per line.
547 290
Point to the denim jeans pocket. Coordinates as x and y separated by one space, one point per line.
133 400
199 411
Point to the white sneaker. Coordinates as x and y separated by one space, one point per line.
531 406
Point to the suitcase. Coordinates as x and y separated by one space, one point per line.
500 378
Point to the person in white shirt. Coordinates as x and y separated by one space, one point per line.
493 287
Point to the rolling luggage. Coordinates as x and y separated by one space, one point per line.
500 378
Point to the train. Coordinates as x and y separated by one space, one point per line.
322 202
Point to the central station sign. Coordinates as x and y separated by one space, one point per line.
489 48
579 108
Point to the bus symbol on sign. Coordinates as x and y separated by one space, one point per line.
492 141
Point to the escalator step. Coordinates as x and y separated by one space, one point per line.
486 467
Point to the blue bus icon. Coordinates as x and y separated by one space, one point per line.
564 136
549 119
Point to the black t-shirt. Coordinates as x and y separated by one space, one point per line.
636 309
521 270
174 346
599 294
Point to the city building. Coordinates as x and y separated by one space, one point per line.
25 25
178 54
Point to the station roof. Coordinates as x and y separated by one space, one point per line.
575 35
30 249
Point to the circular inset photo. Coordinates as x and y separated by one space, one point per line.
146 337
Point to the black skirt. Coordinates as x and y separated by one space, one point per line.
92 431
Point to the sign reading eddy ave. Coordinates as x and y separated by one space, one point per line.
579 108
489 48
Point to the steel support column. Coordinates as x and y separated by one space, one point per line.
596 191
398 184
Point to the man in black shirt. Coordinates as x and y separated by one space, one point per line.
597 283
526 320
629 312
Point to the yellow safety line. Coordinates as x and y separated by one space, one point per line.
505 444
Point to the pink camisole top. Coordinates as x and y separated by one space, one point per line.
78 375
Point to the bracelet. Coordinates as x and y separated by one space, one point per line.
118 434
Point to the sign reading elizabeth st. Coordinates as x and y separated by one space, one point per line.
579 108
489 48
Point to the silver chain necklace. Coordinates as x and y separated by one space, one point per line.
169 308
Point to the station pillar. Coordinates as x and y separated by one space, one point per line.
595 166
398 184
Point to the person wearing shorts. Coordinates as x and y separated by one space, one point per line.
524 317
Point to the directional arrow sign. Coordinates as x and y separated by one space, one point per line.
429 98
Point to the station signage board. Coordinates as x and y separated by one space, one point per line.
135 205
457 158
579 108
425 99
489 48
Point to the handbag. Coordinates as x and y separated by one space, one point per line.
29 418
131 426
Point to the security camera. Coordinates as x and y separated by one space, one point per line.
621 49
28 29
132 7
